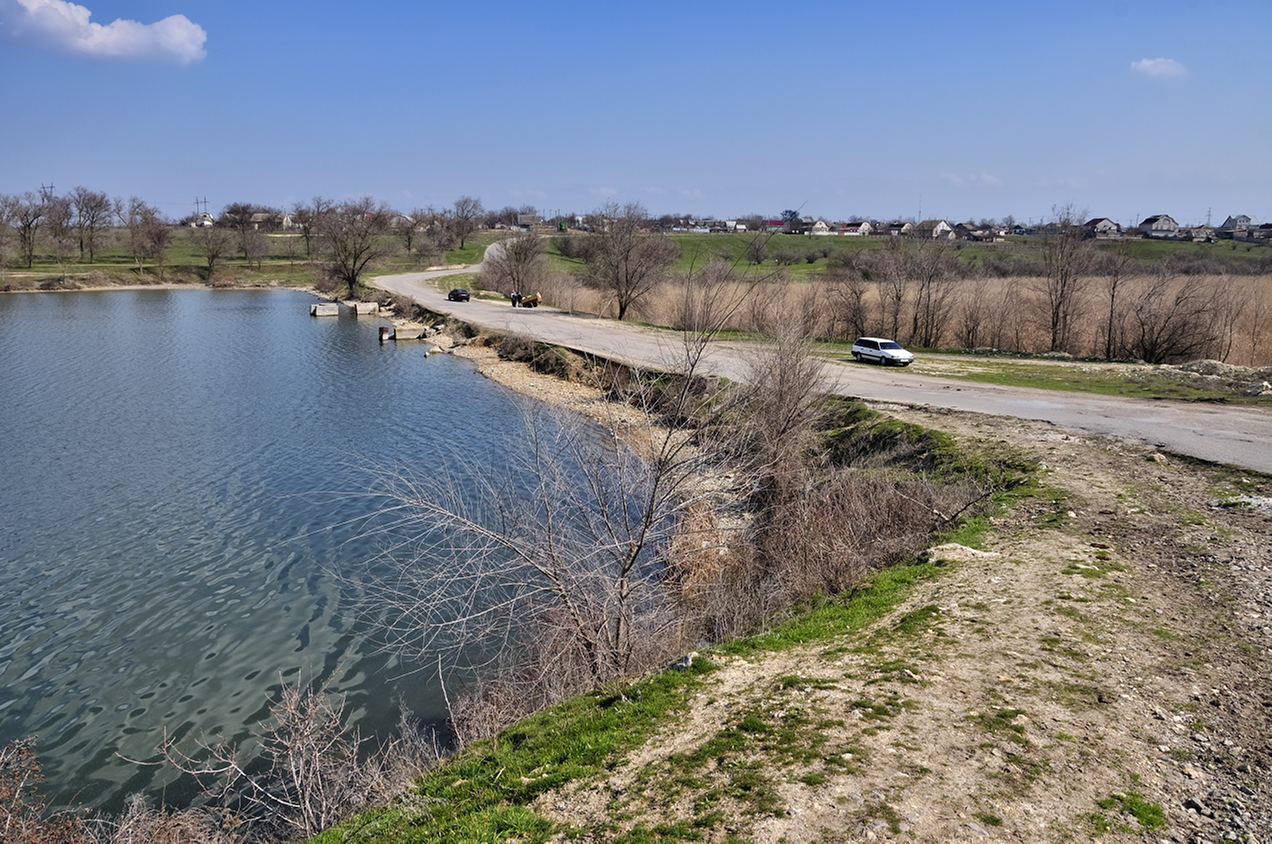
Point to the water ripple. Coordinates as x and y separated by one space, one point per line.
175 501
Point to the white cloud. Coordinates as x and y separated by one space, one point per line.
64 26
1159 68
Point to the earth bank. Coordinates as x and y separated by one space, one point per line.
1098 670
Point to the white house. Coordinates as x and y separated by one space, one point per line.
1159 225
1238 223
1101 227
933 229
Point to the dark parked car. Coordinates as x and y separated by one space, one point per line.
459 294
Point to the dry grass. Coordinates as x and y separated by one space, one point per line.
1000 313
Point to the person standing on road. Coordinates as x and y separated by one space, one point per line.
516 298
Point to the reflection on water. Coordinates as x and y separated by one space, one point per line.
180 516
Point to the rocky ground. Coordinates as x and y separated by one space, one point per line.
1099 670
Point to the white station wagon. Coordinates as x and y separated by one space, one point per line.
881 351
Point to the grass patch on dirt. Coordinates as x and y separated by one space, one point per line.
486 792
1147 815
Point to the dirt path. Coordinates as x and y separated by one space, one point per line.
1115 642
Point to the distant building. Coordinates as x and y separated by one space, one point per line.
1238 223
1159 225
1101 227
933 229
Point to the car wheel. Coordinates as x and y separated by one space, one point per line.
856 356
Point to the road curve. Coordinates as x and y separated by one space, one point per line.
1240 436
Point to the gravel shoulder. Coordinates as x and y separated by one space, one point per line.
1104 656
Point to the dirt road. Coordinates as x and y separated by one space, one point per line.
1241 436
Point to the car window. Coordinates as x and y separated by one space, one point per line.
888 344
868 344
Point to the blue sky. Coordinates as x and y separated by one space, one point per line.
882 110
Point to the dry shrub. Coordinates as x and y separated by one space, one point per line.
23 806
830 538
697 552
310 774
141 824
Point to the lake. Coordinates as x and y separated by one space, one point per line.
185 514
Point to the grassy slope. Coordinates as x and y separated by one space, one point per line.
486 793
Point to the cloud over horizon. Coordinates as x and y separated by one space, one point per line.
1159 68
67 27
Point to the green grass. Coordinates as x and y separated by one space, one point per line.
484 793
1098 378
832 617
112 265
1147 382
1148 815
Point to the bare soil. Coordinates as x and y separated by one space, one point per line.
1104 654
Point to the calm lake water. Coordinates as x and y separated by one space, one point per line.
181 516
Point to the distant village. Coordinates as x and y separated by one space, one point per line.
1159 226
1239 227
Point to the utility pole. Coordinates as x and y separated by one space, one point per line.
46 191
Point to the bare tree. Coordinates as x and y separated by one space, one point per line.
354 236
93 211
255 246
1067 258
465 217
212 243
149 234
1170 321
59 222
973 314
308 217
623 259
931 264
514 264
28 215
248 221
757 250
1116 265
8 206
893 281
408 227
850 305
783 397
560 556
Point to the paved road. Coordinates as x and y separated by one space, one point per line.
1241 436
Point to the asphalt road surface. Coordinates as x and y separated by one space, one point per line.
1241 436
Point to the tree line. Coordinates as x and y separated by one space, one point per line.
348 236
